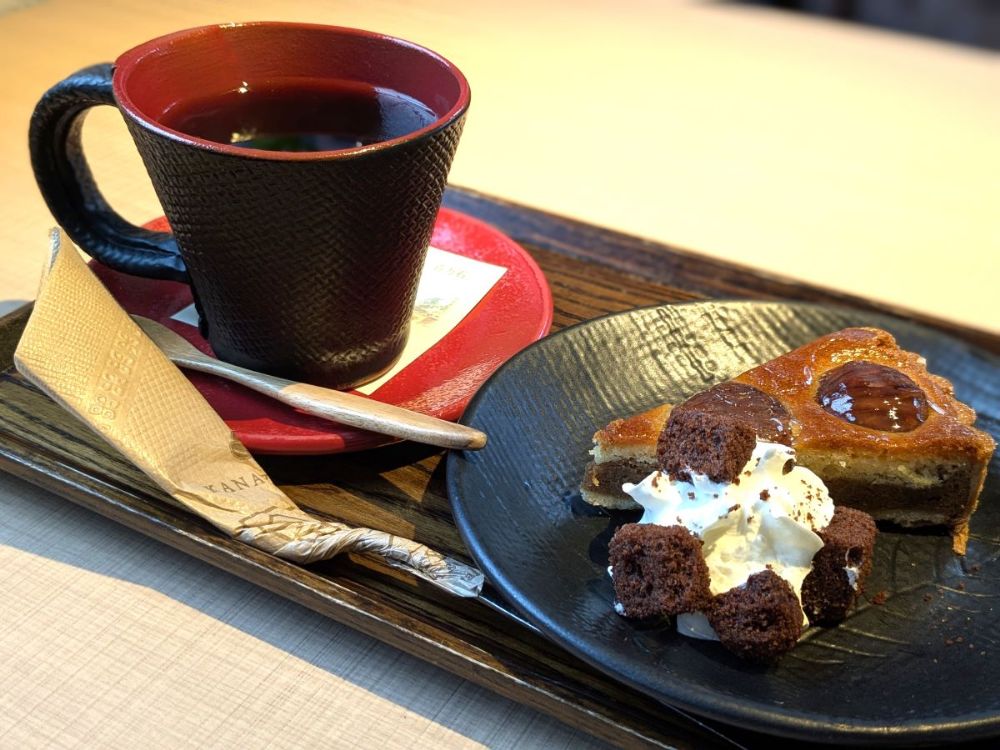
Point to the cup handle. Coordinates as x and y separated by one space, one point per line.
68 186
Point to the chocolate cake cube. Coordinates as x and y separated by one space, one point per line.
706 443
760 620
848 541
658 570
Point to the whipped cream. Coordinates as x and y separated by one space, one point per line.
768 518
852 576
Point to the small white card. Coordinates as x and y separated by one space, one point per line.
450 286
188 315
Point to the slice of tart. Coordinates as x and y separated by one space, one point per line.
624 451
884 434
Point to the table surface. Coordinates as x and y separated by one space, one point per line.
852 158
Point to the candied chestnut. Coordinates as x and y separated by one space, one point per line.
874 396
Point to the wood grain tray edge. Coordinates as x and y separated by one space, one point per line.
694 272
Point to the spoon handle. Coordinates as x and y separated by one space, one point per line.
345 408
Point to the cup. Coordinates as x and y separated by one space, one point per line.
303 263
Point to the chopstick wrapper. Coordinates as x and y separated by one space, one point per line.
84 352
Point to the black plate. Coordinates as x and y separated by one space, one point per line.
923 666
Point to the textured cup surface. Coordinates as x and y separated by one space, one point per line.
302 264
305 269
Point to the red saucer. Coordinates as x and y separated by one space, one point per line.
514 313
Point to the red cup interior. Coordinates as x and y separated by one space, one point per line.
212 60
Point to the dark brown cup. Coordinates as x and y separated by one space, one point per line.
302 264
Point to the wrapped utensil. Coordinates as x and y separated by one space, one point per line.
84 352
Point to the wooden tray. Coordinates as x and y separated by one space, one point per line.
401 489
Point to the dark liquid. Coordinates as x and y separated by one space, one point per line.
300 115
